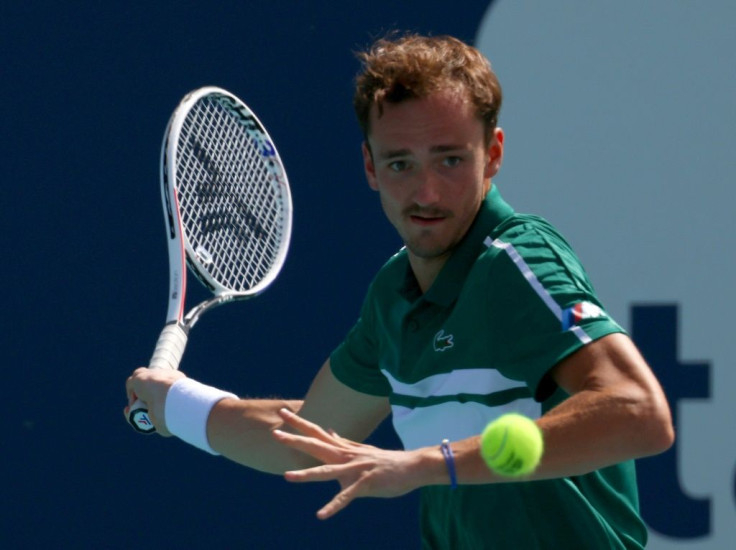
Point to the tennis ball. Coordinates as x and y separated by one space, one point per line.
512 445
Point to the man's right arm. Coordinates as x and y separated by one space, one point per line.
241 429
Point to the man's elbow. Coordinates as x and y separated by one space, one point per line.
655 425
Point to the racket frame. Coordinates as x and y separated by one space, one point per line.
173 338
181 252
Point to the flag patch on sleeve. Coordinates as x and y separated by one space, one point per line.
582 310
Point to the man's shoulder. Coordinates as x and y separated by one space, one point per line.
395 267
528 238
391 275
520 227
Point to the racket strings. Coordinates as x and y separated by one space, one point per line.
231 200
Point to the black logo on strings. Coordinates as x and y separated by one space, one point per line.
216 187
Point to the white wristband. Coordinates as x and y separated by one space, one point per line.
187 407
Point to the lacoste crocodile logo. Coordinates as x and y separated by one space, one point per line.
442 341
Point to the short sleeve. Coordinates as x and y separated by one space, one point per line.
545 307
355 362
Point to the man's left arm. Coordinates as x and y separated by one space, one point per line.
616 411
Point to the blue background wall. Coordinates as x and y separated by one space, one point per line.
87 89
85 93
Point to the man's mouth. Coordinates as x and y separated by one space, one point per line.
426 217
425 220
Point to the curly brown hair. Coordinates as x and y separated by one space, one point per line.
415 66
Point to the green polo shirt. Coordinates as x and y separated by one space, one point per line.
510 303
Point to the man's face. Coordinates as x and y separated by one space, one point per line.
431 165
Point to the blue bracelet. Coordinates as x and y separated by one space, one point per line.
450 461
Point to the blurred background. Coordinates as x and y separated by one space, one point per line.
619 129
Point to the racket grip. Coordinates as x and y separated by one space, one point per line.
169 348
167 355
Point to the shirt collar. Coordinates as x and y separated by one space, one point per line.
446 288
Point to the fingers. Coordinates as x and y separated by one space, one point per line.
340 502
346 473
130 392
325 472
330 472
303 426
129 386
350 463
321 449
150 386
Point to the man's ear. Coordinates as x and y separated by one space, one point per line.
369 167
495 153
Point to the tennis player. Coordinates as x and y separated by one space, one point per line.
484 311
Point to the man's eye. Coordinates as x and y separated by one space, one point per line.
452 161
398 166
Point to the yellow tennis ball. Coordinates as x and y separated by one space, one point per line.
512 445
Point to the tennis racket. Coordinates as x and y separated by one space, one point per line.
228 212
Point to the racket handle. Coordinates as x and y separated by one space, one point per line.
167 355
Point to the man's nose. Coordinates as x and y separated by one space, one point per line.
427 192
